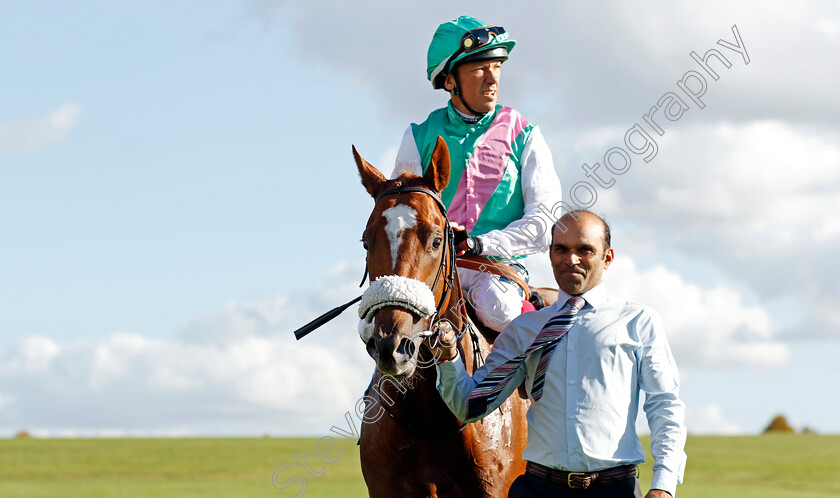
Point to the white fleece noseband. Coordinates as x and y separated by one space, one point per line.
396 290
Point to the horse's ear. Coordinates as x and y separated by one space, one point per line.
372 178
437 174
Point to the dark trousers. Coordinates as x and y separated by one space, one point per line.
531 486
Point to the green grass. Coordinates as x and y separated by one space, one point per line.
770 466
205 467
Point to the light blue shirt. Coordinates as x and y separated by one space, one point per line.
586 417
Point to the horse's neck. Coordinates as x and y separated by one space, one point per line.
415 404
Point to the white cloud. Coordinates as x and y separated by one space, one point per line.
238 320
707 419
755 200
594 66
25 136
706 326
766 173
761 175
246 375
829 27
109 433
5 400
744 183
710 419
599 138
37 353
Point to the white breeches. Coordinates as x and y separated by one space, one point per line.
497 301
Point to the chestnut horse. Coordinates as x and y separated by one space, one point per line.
411 444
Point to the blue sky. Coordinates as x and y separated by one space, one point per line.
188 153
178 195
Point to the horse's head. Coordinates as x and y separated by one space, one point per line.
407 242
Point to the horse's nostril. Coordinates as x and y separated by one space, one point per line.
406 348
371 348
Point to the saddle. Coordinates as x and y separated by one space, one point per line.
485 264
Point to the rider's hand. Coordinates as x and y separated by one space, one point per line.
444 343
466 245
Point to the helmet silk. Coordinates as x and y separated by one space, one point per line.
447 42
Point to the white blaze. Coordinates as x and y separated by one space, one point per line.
400 217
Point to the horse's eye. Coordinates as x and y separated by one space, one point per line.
437 242
364 244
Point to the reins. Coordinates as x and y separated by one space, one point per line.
445 275
448 266
447 262
487 265
449 251
446 269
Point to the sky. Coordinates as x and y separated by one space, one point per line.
177 195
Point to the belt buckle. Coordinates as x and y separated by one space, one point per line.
584 480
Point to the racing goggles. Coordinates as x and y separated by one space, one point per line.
479 37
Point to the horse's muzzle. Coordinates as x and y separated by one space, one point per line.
395 342
394 356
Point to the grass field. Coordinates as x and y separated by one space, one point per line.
799 466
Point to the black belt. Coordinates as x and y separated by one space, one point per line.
583 480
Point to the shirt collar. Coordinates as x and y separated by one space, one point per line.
594 297
484 121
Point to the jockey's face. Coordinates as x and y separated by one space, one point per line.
478 85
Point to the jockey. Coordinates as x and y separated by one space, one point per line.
502 172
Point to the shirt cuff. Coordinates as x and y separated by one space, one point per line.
450 370
665 480
439 362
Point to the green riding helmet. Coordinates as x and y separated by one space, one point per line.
465 39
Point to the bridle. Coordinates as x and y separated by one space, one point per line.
447 270
447 260
446 275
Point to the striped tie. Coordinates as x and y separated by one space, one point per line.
488 389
